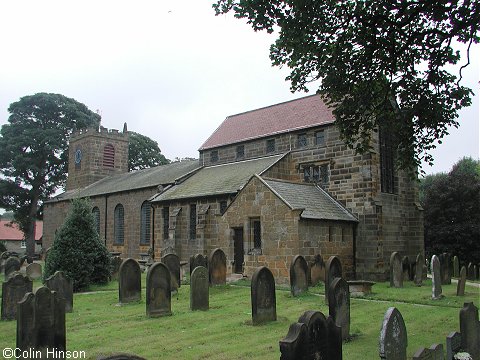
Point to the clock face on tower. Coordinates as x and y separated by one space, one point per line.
78 156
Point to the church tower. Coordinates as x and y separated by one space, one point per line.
94 154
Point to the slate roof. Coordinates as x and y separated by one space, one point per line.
217 180
292 115
315 202
10 232
158 175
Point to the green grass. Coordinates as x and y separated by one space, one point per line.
99 325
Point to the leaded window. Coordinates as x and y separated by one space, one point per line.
96 218
214 156
223 206
317 174
240 152
256 233
320 138
145 223
387 168
302 140
270 145
118 225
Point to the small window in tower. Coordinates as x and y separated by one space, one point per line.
109 156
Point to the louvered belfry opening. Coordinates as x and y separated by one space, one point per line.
109 156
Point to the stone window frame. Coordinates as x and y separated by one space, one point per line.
320 138
387 161
317 173
240 152
222 205
166 222
214 156
145 223
192 228
302 140
119 225
96 218
109 156
270 146
255 235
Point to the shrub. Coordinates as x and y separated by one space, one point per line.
77 250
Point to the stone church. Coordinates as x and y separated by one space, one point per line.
269 184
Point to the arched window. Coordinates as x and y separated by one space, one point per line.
96 218
145 220
118 229
109 156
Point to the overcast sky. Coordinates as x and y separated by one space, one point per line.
171 69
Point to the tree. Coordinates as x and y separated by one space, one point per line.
451 205
143 152
33 156
380 63
77 249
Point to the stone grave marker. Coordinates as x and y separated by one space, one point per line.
436 278
339 305
298 275
418 279
470 330
198 260
115 263
264 303
317 334
470 272
406 268
41 323
173 264
393 336
317 270
333 269
294 345
217 267
456 267
396 270
158 292
454 344
445 268
334 340
11 265
461 282
199 289
434 352
13 290
63 285
34 271
129 281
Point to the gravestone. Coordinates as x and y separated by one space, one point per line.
393 336
317 270
454 344
173 264
158 292
396 270
298 275
129 281
198 260
470 330
470 272
41 323
294 345
115 263
339 305
317 334
264 304
434 352
34 271
13 290
445 268
418 279
11 265
461 282
406 268
436 278
456 267
60 283
334 340
333 269
217 267
199 289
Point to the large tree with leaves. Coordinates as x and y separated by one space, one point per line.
143 152
33 156
380 63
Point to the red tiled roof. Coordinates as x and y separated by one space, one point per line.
10 231
275 119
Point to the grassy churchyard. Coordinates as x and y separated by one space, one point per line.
99 326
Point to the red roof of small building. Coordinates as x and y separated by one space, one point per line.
10 231
289 116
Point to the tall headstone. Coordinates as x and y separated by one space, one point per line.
129 281
418 279
339 305
34 271
333 269
217 267
406 268
158 292
294 345
199 289
172 262
198 260
461 282
434 352
264 303
470 272
334 340
396 270
393 336
445 268
456 267
11 265
453 345
317 334
13 290
63 285
317 270
470 330
436 278
298 275
41 323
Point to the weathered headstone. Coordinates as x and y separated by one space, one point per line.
13 290
264 303
198 260
298 275
406 268
456 267
461 282
63 285
41 323
158 292
294 345
339 305
470 330
11 265
470 272
129 281
434 352
334 340
393 336
173 264
396 270
217 267
115 263
317 270
418 279
436 278
34 271
199 289
454 344
317 334
333 269
445 268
